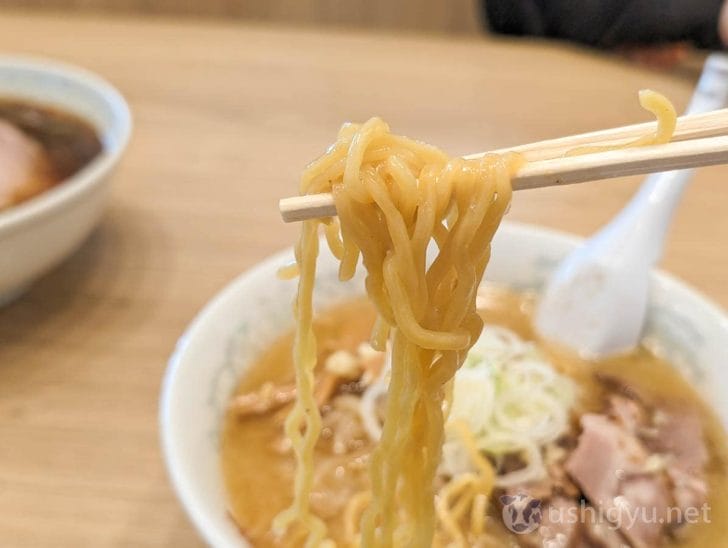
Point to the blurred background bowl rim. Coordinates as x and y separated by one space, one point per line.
94 172
183 487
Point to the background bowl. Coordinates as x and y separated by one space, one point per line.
244 318
39 233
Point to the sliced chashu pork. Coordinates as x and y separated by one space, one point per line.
25 169
635 464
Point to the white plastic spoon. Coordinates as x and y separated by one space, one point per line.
596 301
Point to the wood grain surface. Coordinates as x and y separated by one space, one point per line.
436 16
225 117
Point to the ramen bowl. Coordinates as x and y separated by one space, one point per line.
37 234
252 311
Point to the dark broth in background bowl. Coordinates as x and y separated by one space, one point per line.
43 146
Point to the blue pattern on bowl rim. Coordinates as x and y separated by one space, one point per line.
668 332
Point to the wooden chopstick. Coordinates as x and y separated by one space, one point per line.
623 162
699 140
693 126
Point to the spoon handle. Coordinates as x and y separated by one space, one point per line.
656 202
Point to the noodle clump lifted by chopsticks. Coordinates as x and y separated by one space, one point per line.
394 198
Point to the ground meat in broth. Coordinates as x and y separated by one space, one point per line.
656 444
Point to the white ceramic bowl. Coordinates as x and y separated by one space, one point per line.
214 352
36 235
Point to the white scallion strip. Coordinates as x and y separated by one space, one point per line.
370 399
513 400
509 395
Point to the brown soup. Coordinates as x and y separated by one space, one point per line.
41 146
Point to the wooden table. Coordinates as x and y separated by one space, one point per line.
225 117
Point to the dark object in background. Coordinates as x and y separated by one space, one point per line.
609 23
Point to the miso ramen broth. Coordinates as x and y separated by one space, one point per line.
639 398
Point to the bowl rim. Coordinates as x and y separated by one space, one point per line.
90 175
182 486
